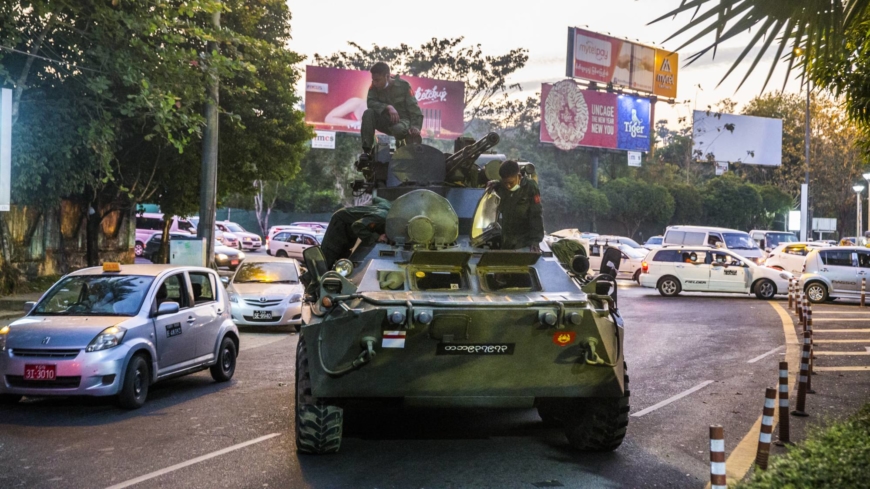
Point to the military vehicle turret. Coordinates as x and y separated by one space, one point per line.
441 317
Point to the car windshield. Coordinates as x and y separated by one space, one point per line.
235 228
739 241
654 241
630 242
776 239
631 252
266 273
96 295
186 225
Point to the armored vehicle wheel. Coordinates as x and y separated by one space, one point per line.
597 424
318 426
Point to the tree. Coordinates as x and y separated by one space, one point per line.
634 202
731 203
688 204
585 201
773 201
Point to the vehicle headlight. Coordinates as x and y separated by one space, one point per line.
785 276
241 256
222 257
759 260
108 338
234 298
344 267
296 298
3 332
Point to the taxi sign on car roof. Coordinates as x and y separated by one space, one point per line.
111 266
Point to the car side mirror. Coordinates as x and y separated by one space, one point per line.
28 306
167 308
225 281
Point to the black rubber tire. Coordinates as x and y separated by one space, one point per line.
822 295
669 291
318 426
134 390
7 399
636 277
138 248
281 254
297 327
225 367
597 425
769 291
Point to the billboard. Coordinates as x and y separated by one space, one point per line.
605 59
737 138
572 117
335 100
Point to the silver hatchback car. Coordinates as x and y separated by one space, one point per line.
835 272
113 331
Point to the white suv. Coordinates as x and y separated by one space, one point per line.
672 270
791 256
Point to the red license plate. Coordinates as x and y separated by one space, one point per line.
40 372
235 262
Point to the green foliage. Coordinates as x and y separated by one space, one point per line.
635 202
831 458
688 204
773 201
731 203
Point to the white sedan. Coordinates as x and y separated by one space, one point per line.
791 256
265 291
672 270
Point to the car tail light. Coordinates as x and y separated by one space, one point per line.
267 242
644 266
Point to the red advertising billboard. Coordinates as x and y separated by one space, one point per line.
335 100
571 117
605 59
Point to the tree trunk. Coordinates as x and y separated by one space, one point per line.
162 255
92 237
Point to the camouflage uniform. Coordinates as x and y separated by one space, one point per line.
520 215
366 222
398 94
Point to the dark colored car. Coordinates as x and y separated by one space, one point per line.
224 256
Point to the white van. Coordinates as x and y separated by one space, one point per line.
730 239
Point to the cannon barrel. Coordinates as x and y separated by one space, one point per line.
465 157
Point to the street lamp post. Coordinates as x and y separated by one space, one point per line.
858 189
867 177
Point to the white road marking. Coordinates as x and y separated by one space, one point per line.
256 340
771 352
827 320
841 369
672 399
190 462
817 331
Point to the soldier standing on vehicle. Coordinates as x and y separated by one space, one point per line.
519 211
365 222
392 109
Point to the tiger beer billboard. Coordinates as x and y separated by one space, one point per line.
605 59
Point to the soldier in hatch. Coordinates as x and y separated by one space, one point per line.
366 222
519 211
392 110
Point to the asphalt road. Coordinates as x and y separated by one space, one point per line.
673 345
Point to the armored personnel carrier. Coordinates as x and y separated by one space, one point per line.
440 317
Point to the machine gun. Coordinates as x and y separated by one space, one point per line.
460 166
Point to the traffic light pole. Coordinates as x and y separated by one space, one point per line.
208 177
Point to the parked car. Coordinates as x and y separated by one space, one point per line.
293 243
224 256
265 291
719 238
226 238
654 242
835 272
768 240
791 256
117 329
300 229
246 241
629 267
318 227
605 239
675 269
149 223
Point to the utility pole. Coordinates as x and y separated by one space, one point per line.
208 176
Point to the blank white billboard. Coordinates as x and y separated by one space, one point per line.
737 138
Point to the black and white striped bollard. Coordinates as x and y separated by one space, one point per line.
763 454
802 379
783 405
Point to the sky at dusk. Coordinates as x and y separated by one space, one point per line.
540 27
